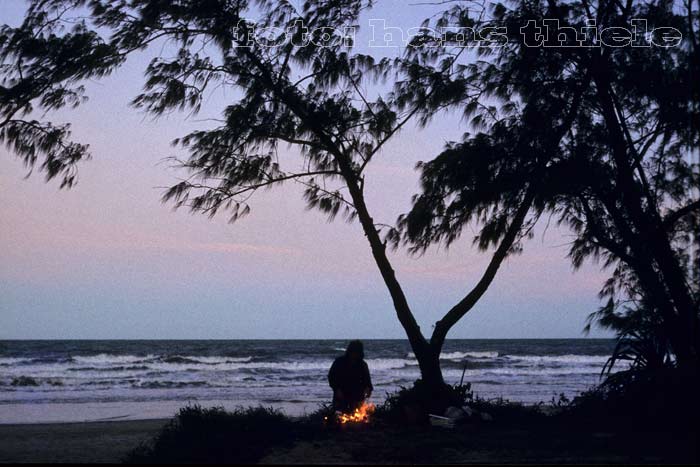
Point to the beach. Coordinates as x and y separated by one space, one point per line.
98 442
74 442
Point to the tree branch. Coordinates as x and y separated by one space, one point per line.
674 216
468 302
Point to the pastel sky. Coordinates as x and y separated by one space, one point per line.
107 260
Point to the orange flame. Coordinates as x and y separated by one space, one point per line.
359 415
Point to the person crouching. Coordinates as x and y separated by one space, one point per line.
349 378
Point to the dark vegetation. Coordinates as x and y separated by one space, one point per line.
603 425
212 435
664 398
412 405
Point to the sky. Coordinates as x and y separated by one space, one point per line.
107 260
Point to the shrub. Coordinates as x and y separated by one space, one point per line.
504 410
213 435
415 403
324 413
642 397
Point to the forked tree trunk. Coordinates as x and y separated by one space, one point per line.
428 351
427 355
431 372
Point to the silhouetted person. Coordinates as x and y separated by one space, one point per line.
349 378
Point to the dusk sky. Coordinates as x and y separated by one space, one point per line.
107 259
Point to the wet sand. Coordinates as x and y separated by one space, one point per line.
89 442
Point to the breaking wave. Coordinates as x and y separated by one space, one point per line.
284 370
547 359
461 355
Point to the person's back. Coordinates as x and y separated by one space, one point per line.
349 378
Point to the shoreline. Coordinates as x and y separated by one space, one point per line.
96 412
22 414
84 422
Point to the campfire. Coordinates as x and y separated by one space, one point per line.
359 415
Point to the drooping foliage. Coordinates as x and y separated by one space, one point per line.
42 62
610 138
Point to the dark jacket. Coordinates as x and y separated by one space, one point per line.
352 379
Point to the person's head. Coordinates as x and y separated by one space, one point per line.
355 351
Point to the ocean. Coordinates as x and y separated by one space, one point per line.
61 381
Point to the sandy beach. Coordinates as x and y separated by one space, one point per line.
100 442
74 442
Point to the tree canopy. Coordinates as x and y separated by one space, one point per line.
606 137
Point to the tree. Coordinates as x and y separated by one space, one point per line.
300 86
610 135
40 71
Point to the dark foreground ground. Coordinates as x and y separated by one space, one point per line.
493 444
483 443
74 442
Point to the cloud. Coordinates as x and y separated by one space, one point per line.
103 238
160 242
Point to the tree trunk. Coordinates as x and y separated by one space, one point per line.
434 394
428 358
429 364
